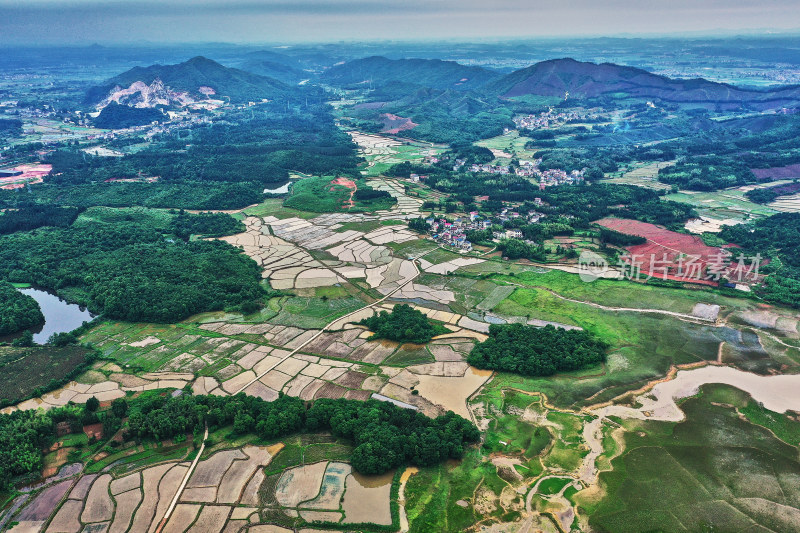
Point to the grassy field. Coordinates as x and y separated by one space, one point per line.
314 312
319 195
640 174
431 494
622 293
713 472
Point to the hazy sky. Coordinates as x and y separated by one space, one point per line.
108 21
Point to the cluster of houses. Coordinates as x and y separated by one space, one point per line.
530 169
556 176
454 233
547 119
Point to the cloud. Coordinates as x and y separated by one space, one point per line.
321 20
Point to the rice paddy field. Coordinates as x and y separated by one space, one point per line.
382 152
511 143
641 175
577 451
721 205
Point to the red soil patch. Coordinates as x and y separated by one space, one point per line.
777 173
350 184
31 173
394 124
95 430
677 256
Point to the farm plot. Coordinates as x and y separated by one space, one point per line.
643 175
383 152
450 266
406 206
286 265
357 256
332 492
140 499
787 204
721 205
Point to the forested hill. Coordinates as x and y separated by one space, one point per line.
557 77
433 73
193 74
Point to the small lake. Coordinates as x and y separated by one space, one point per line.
59 315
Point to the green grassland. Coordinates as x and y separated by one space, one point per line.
643 346
431 494
622 293
715 471
314 312
319 195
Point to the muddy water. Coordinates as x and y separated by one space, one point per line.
776 393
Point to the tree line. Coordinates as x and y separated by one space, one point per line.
384 435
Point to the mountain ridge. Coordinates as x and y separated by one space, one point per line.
433 73
193 77
567 77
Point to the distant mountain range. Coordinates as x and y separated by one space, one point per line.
195 79
377 71
562 77
276 70
553 78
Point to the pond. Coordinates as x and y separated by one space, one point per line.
280 189
59 315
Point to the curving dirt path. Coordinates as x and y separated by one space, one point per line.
681 316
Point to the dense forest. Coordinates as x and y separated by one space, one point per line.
31 216
206 224
257 145
131 271
384 435
403 324
387 436
178 195
10 127
115 116
533 351
18 311
776 238
518 249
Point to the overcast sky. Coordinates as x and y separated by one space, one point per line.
269 21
